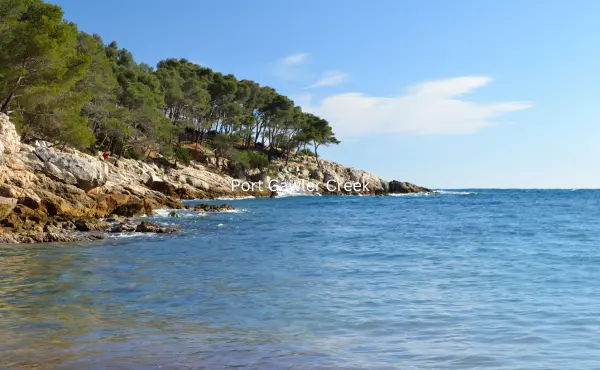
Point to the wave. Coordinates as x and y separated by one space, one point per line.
454 192
125 235
230 198
412 195
434 193
166 212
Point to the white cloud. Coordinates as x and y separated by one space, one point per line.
330 78
434 107
295 59
292 67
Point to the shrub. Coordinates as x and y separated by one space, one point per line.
135 153
251 160
182 154
306 151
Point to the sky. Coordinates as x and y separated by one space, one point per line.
444 94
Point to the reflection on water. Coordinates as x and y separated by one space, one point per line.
80 305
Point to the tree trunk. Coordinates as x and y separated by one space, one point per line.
6 104
287 158
317 156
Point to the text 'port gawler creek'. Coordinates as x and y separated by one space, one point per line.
305 187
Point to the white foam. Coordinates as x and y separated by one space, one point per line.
411 195
290 192
181 213
435 192
233 211
231 198
453 192
126 235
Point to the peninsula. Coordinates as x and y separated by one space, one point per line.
86 133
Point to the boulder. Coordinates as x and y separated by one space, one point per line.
31 201
106 204
157 184
84 171
10 141
149 227
212 207
23 218
123 227
6 206
90 224
134 208
197 183
316 174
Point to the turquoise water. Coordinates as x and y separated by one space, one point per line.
489 279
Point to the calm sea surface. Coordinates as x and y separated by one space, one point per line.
488 279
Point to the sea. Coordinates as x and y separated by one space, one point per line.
463 279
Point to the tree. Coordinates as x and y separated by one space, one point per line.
67 87
320 133
223 147
40 66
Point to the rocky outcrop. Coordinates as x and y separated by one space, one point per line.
6 206
84 171
399 187
149 227
212 208
10 141
331 177
50 193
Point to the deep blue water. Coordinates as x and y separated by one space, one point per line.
488 279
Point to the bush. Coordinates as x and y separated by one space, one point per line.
251 160
306 151
135 153
182 154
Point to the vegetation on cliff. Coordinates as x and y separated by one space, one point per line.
62 85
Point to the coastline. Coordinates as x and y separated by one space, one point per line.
51 194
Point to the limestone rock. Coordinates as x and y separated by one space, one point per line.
212 208
84 171
6 206
90 224
149 227
10 141
400 187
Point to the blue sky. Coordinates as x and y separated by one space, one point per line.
446 94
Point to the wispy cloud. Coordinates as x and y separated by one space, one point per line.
433 107
292 67
330 78
295 59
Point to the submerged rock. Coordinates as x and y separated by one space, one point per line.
212 208
90 224
149 227
47 237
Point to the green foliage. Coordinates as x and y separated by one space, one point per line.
306 151
135 152
182 154
251 160
68 87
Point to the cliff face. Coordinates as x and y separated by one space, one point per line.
44 189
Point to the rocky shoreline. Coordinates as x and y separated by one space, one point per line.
51 194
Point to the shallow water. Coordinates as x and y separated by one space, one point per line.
489 279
